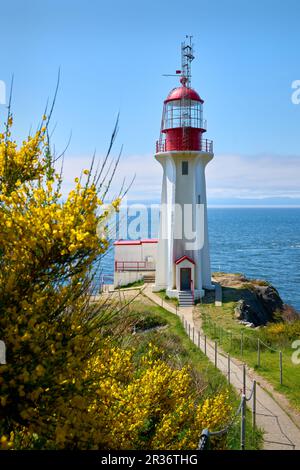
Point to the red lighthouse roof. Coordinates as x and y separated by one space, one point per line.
183 92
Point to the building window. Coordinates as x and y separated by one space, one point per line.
185 168
199 199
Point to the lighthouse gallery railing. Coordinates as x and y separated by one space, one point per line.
206 145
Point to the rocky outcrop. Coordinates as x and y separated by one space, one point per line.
258 305
257 302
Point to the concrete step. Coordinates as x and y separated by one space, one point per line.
185 299
149 279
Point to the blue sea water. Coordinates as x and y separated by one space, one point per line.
258 242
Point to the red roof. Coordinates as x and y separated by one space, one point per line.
183 92
136 242
183 258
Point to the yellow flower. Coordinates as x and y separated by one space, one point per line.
40 370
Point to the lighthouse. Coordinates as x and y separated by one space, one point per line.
183 258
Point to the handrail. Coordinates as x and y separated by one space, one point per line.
206 434
237 336
134 266
205 145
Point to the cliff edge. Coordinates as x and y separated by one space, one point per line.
258 302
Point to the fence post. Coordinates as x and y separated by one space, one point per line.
205 344
228 368
193 334
254 405
244 379
242 343
230 340
189 330
199 339
204 440
280 366
176 308
258 352
216 353
243 422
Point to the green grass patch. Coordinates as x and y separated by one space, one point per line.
172 301
132 284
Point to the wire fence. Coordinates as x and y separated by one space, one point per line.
200 340
236 374
242 342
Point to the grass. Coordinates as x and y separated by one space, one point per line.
219 323
177 346
172 301
132 284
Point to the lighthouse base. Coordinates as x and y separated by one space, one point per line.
174 293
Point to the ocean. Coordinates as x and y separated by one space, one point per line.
261 243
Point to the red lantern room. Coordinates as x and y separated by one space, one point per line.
182 124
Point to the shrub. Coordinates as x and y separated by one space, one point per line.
67 383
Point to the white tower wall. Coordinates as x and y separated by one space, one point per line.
182 194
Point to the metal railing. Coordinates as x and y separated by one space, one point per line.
100 282
200 340
205 145
206 434
244 343
121 266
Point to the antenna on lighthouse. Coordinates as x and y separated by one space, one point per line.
187 56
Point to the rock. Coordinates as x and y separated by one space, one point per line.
247 324
257 301
258 305
239 310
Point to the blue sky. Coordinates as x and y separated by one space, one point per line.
112 56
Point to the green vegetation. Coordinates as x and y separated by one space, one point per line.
132 284
242 342
172 301
179 351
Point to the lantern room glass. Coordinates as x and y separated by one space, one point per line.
183 113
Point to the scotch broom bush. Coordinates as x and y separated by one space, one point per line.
67 382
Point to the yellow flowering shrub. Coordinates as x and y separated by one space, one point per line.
66 384
281 334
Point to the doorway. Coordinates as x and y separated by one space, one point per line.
185 278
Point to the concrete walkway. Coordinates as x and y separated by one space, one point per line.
280 431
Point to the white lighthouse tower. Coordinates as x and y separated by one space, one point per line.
183 260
